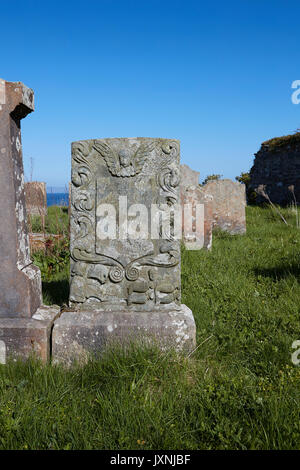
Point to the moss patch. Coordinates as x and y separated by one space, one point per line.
279 142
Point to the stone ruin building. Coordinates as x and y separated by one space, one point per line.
277 166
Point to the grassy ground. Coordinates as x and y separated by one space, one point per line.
238 390
56 221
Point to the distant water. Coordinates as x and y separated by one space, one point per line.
57 199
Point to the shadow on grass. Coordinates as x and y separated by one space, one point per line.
56 292
279 272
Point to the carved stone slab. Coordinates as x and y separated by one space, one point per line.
197 234
229 205
123 273
124 287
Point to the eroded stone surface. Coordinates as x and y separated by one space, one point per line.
189 177
19 280
123 288
278 168
124 274
25 337
77 335
229 205
198 222
36 198
25 325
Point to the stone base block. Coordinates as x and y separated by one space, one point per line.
23 337
76 335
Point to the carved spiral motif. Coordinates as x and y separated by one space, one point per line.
132 273
169 179
85 226
82 174
171 148
116 274
84 203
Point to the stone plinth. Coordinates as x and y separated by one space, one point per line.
123 266
229 205
36 198
20 280
26 337
76 335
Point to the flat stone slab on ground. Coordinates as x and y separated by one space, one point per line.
23 337
76 335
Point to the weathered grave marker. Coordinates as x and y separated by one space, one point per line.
197 218
36 198
197 206
125 270
229 205
20 281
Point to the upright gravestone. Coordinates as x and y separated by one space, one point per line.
25 324
197 218
229 205
125 259
36 198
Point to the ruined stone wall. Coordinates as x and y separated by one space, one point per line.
277 166
229 202
188 177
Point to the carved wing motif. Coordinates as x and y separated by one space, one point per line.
141 154
109 156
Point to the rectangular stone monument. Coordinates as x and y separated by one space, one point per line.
125 269
229 205
197 218
36 198
25 324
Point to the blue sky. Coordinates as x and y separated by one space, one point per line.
216 76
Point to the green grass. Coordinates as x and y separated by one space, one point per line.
279 142
56 221
238 390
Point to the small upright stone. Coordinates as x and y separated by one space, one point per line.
125 270
20 280
197 219
229 205
197 207
36 198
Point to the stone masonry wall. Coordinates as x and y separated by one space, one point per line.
277 167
